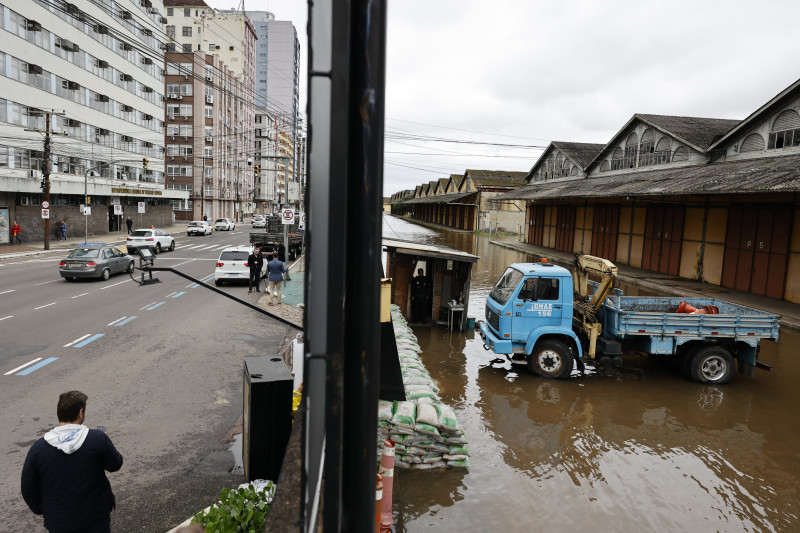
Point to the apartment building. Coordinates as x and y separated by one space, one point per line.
210 75
95 67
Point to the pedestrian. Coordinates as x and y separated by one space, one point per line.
129 223
275 270
15 231
256 263
62 229
281 251
420 297
205 218
64 477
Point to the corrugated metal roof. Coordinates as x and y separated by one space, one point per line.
428 250
700 132
580 153
441 198
766 175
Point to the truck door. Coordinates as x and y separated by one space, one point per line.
537 304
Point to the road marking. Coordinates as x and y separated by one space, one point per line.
170 294
209 278
117 320
76 340
179 264
6 292
129 319
43 306
114 285
37 366
78 296
9 316
207 248
46 282
87 341
20 367
148 305
179 294
156 305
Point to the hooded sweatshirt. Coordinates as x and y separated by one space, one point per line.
64 477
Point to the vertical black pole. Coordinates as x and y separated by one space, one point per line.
46 175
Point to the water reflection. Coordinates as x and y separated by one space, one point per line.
636 449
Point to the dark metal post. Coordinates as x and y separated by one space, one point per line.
46 181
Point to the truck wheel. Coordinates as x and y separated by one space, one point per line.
550 359
711 364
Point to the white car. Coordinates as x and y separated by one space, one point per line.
259 221
224 224
155 239
232 265
199 227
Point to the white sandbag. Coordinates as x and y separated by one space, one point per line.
449 457
447 418
459 464
385 410
404 414
427 429
426 414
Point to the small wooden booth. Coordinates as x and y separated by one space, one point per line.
449 273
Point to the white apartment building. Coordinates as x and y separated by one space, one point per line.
270 182
96 66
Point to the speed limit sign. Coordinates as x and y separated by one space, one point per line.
45 204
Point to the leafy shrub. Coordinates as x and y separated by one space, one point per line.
242 510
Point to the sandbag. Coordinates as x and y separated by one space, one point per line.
404 414
385 410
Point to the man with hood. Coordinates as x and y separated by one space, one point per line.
64 478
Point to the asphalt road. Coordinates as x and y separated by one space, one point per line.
161 364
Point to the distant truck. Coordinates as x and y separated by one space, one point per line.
549 318
273 231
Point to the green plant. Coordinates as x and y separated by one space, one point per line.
242 510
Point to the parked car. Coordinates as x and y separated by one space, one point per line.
232 265
259 221
199 227
95 262
154 239
224 224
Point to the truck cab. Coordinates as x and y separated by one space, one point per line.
529 316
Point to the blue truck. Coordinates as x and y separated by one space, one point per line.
553 319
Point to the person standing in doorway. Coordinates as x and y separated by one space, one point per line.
15 231
420 297
275 269
129 223
256 263
64 475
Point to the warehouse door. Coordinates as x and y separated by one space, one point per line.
535 224
757 249
663 234
565 228
604 232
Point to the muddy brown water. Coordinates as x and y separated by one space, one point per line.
639 448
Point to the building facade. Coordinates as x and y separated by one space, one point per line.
212 55
707 199
98 74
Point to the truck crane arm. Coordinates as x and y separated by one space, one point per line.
583 265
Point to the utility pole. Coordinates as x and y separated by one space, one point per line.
46 181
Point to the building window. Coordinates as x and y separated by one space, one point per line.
209 112
170 11
170 47
212 47
171 32
187 31
187 12
187 48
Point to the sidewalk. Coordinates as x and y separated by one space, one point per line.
9 251
673 285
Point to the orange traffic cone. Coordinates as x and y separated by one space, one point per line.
711 309
387 471
685 308
378 500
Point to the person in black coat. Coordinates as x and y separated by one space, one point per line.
420 297
280 250
64 475
129 223
256 262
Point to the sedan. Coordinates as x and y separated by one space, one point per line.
260 222
224 224
95 262
154 239
199 227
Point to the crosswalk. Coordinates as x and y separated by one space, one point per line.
205 247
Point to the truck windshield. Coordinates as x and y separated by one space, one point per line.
506 286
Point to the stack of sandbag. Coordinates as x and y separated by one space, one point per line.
425 431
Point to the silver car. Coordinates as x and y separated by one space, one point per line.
95 262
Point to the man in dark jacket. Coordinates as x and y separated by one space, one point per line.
64 478
129 224
280 252
256 262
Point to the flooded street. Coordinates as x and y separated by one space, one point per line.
639 448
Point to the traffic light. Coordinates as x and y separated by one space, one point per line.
255 171
88 200
144 163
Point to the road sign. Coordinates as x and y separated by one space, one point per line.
287 216
87 210
45 204
46 212
302 224
141 207
117 209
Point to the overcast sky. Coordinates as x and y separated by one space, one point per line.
517 72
